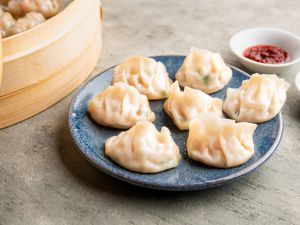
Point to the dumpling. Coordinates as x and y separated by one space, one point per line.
19 8
10 26
257 100
143 149
25 23
183 106
147 75
204 70
220 142
120 106
6 23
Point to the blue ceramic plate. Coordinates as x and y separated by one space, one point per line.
189 175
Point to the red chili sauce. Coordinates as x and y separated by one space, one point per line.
267 54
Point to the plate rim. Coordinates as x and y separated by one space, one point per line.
184 187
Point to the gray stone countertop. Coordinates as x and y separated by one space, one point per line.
44 180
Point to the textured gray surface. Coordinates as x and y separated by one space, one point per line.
44 180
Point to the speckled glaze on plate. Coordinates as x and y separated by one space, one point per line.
189 175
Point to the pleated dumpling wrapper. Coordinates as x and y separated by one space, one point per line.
204 70
257 100
220 142
120 106
143 149
147 75
183 106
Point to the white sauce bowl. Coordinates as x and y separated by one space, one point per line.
266 36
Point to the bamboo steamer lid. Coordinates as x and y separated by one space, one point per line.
46 63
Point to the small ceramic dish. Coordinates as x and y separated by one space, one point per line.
189 175
266 36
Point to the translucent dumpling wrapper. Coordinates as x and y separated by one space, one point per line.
183 106
257 100
204 70
220 142
27 22
120 106
47 8
147 75
6 23
143 149
10 26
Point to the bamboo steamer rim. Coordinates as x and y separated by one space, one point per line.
1 60
47 99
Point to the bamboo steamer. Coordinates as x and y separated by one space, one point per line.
46 63
1 64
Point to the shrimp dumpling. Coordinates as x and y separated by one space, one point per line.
147 75
27 22
204 70
120 106
47 8
6 23
257 100
143 149
220 142
183 106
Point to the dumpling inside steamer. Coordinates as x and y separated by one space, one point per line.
183 106
257 100
31 20
204 70
120 106
6 23
10 26
17 16
147 75
19 8
143 149
220 142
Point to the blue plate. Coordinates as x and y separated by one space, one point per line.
189 175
